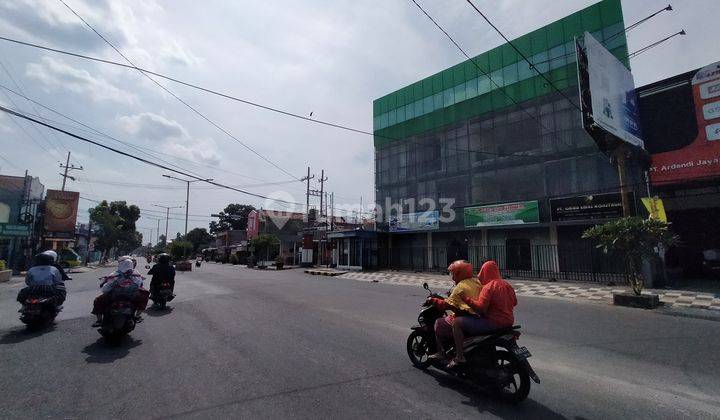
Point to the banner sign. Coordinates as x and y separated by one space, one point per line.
14 230
655 207
610 88
502 214
587 207
61 210
700 158
426 220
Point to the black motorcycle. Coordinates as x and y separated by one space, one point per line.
119 317
494 360
37 311
162 295
118 321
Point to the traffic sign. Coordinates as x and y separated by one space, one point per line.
14 230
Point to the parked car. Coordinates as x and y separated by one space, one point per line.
68 258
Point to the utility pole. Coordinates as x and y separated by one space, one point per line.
307 193
68 167
89 239
158 232
167 217
187 195
322 180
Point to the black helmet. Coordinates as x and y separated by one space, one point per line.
44 259
163 258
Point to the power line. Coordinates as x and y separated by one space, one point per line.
177 97
273 109
532 66
18 114
17 85
139 148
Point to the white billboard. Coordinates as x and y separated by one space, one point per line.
614 104
428 220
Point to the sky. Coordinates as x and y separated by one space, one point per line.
331 59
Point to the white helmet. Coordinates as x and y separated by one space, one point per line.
125 266
52 254
124 257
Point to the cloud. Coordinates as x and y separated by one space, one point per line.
200 150
50 20
172 136
151 126
58 75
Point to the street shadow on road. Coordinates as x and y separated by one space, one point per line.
102 352
24 333
153 311
486 403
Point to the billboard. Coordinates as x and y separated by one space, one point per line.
426 220
608 97
502 214
700 158
61 210
587 207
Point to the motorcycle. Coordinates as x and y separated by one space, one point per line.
37 311
162 296
119 317
494 360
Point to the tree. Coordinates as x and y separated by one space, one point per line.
263 245
632 239
116 226
161 246
179 249
234 217
199 237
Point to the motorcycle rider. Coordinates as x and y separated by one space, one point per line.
465 287
493 307
162 272
57 265
43 280
125 280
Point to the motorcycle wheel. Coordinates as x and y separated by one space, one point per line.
418 348
518 387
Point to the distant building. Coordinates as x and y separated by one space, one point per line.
20 226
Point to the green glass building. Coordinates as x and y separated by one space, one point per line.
487 134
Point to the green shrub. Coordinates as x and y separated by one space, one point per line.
2 265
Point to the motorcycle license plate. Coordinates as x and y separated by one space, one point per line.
521 353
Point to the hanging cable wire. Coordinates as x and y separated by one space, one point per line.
81 138
532 66
139 148
195 110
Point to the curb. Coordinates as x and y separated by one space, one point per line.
325 273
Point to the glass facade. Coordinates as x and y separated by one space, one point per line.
456 135
465 90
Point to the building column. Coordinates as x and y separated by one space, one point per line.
554 258
429 251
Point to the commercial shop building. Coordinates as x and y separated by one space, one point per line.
487 159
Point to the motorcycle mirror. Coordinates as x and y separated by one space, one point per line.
147 266
426 287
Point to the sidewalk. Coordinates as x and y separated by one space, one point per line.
574 291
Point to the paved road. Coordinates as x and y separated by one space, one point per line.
251 344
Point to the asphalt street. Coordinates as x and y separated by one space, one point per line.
274 344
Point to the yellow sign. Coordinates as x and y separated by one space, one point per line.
654 206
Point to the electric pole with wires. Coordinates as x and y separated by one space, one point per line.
68 167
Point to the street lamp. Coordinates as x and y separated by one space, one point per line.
167 218
187 195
